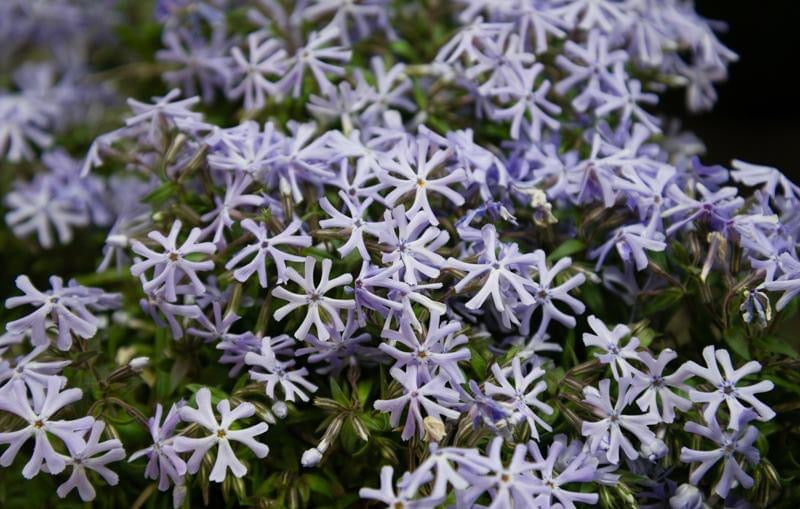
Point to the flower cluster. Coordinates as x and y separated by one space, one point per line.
471 250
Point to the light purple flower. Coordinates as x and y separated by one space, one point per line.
250 75
508 485
235 197
546 295
729 443
608 15
531 110
274 372
590 67
608 431
221 435
412 242
788 282
344 348
39 423
614 353
314 299
558 468
247 148
164 108
521 398
771 179
625 98
402 497
34 373
632 243
200 63
727 388
235 347
316 57
355 224
91 454
508 267
155 305
712 208
38 207
434 353
163 461
69 307
364 15
219 329
446 462
410 171
655 385
173 263
391 89
433 396
264 246
365 290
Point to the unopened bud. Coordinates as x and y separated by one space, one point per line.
311 457
280 409
434 428
654 450
139 363
686 497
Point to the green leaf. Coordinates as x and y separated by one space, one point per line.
777 346
478 363
338 393
662 301
161 193
364 388
736 340
318 484
567 248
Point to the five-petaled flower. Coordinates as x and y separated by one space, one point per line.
221 435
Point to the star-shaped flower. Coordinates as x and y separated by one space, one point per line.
221 435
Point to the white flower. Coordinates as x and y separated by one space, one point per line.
609 340
221 435
521 397
93 455
506 268
727 388
277 372
173 263
39 423
612 423
34 373
314 298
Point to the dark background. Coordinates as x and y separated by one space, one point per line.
757 118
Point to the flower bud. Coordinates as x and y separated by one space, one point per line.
280 409
137 364
654 450
434 428
311 457
686 497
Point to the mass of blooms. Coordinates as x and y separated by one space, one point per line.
376 253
